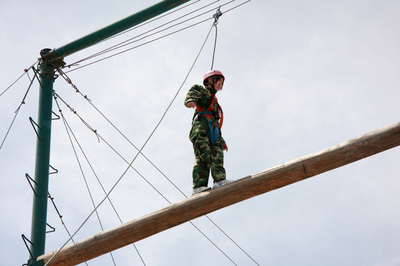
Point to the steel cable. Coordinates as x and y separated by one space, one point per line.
84 96
129 41
12 84
130 164
140 151
17 111
69 130
118 46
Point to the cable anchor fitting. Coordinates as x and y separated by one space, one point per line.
217 14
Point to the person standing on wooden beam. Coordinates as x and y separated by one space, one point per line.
205 133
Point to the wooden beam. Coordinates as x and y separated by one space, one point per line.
215 199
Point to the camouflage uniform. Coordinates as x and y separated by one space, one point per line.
208 155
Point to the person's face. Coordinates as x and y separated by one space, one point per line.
218 84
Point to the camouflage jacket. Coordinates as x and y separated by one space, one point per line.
202 97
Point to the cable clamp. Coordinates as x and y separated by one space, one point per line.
55 207
217 14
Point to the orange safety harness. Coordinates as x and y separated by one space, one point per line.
214 131
219 116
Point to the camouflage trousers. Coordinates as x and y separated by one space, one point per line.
208 157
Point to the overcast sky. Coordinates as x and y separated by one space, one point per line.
301 76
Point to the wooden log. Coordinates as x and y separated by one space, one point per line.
215 199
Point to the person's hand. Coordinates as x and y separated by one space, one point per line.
190 105
224 146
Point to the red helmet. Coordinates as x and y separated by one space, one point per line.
213 73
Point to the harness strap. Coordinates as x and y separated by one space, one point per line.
219 116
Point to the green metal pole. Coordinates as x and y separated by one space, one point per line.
115 28
42 163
